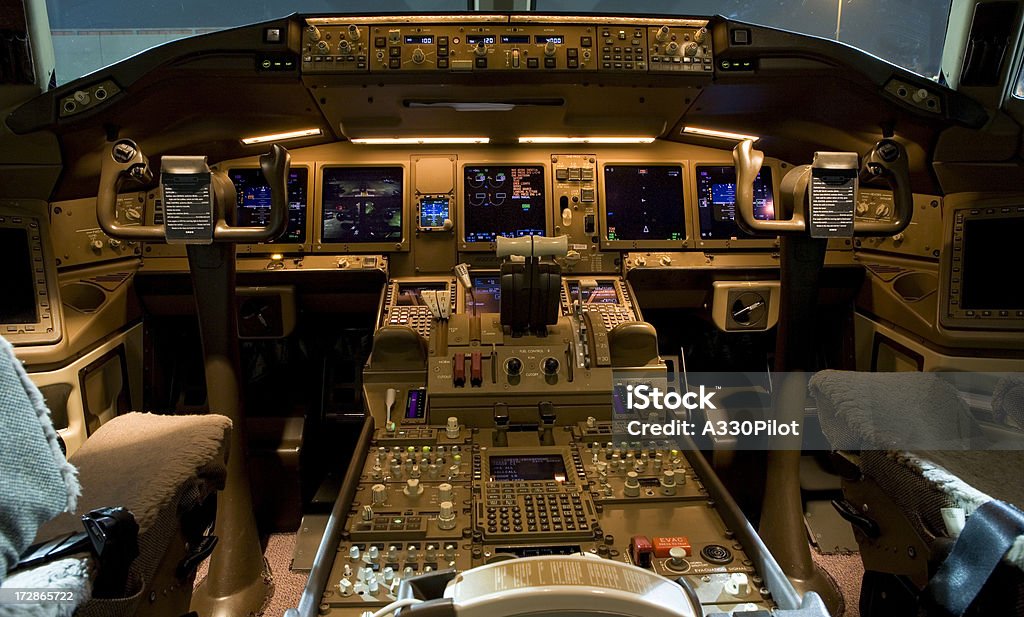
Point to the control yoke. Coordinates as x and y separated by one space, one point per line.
887 160
126 161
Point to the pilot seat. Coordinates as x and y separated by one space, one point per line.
119 528
932 493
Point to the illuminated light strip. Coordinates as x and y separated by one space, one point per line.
402 141
262 139
693 130
586 140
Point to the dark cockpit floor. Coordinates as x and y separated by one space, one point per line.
287 586
846 571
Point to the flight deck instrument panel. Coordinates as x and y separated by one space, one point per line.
361 205
643 204
503 200
491 43
253 206
27 315
716 201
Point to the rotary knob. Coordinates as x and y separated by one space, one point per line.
701 35
632 485
481 49
379 494
323 47
313 32
353 32
672 48
413 488
451 431
367 513
663 34
691 49
549 48
344 47
444 493
446 518
668 482
417 56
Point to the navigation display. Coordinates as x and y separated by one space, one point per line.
503 200
362 204
716 201
486 296
524 468
986 241
18 301
603 292
253 206
644 202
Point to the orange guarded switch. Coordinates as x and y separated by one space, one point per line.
662 545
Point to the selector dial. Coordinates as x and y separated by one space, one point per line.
701 35
513 366
672 48
481 49
549 48
353 32
314 33
749 308
691 49
417 56
324 46
664 33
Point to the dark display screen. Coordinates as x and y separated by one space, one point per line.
412 294
716 201
644 202
557 39
253 206
516 39
503 200
527 467
987 246
601 293
362 204
486 39
424 39
486 297
18 300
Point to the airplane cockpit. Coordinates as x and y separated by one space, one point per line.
523 308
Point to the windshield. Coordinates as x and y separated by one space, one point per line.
90 34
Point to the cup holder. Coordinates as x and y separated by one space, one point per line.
915 286
83 297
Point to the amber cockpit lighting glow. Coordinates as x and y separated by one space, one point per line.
262 139
702 132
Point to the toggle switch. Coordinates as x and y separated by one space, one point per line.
459 370
476 371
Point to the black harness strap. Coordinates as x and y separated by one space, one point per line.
985 539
